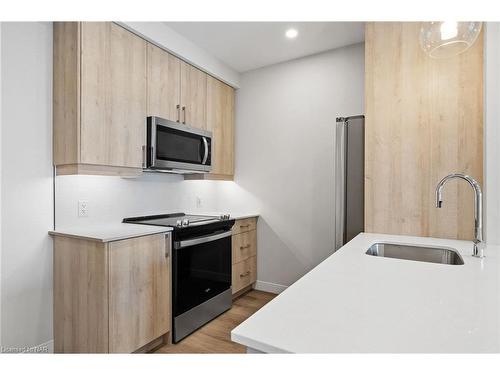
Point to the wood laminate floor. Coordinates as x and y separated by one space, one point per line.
215 336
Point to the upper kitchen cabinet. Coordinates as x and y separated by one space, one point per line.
99 99
176 90
107 80
193 96
220 121
164 84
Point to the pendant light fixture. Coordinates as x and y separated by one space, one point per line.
448 38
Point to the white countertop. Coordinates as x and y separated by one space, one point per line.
110 232
120 231
353 302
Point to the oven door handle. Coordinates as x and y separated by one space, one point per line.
205 145
200 240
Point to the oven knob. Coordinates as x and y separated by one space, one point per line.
179 223
185 222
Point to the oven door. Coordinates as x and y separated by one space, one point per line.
202 270
201 281
176 147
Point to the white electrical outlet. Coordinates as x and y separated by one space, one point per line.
83 208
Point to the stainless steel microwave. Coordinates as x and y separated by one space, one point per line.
177 148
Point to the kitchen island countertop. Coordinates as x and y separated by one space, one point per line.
353 302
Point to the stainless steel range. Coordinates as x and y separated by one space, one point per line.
201 267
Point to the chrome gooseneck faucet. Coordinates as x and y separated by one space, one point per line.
478 250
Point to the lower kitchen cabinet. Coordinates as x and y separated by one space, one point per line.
244 274
111 297
244 245
244 255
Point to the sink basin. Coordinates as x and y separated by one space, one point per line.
416 253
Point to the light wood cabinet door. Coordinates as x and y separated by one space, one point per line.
139 297
80 296
220 120
244 274
244 225
193 96
113 95
244 246
164 84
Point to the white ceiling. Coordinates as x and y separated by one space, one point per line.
249 45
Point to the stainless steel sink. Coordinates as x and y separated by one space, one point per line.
417 253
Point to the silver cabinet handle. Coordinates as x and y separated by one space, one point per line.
205 144
184 111
178 106
167 245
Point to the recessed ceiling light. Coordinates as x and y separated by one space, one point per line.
291 33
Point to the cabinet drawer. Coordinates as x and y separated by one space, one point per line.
245 225
244 273
244 246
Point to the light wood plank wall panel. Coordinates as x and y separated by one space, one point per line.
424 120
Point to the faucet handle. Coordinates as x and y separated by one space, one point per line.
478 250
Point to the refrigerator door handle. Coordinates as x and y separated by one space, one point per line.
340 179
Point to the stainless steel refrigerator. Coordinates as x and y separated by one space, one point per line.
349 178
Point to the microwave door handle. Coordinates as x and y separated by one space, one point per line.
151 145
205 144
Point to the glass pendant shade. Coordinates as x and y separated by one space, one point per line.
448 38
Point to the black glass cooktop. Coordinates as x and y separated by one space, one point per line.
171 220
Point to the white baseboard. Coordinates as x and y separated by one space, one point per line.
265 286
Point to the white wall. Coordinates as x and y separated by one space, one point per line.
113 198
285 117
167 38
492 132
26 184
